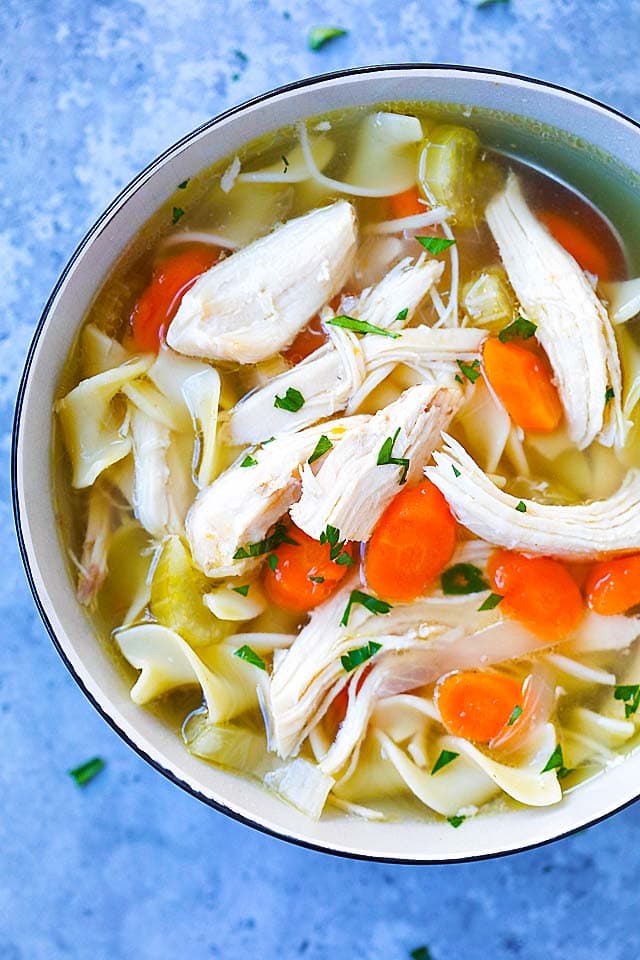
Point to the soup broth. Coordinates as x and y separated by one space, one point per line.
346 457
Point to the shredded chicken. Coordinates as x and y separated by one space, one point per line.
93 561
582 532
253 303
162 487
351 490
573 325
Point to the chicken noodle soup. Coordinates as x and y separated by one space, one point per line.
348 467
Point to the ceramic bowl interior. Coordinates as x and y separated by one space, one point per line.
582 139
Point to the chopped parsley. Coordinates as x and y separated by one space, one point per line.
456 821
446 756
285 162
459 378
263 443
515 713
421 953
177 213
520 329
555 761
609 394
272 560
630 694
249 462
488 3
385 456
456 472
184 184
337 553
269 543
243 590
316 579
246 653
564 772
361 326
353 658
292 400
435 244
318 36
321 448
372 604
87 771
463 578
491 602
470 370
521 506
402 315
241 55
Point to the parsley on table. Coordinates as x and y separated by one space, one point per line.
84 773
318 36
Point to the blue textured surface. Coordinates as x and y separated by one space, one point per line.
131 866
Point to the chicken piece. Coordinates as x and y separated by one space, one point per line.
241 505
351 490
329 377
582 532
93 561
162 475
573 325
253 303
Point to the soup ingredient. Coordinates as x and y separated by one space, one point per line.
354 658
87 771
445 757
318 36
93 560
411 544
630 695
522 381
302 784
624 299
254 302
518 329
573 326
489 299
457 176
385 153
435 245
581 532
409 203
246 653
329 377
537 591
372 604
613 586
591 256
476 704
351 490
236 603
361 326
462 578
163 490
304 575
157 306
241 505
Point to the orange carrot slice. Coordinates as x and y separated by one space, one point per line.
407 204
522 381
613 586
584 250
475 704
300 577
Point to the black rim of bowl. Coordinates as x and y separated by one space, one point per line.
90 235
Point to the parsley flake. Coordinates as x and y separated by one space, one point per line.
385 456
337 553
520 329
321 448
292 400
241 55
480 4
456 472
446 757
456 821
87 771
177 213
630 694
435 245
421 953
521 506
249 462
555 761
463 578
272 560
491 602
402 315
609 394
515 713
459 378
269 543
246 653
184 184
361 326
372 604
243 590
470 370
318 36
285 162
316 579
353 658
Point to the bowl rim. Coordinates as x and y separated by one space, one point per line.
94 230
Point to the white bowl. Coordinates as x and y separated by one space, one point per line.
410 841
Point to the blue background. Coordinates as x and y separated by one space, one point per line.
130 866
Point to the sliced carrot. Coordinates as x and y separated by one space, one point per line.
475 704
407 203
570 235
290 585
412 543
613 586
522 380
538 592
159 303
307 341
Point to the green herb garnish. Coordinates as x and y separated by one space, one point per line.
491 602
463 578
446 756
292 400
456 821
286 163
353 658
555 761
564 772
318 36
520 329
470 370
361 326
321 448
241 55
456 472
316 579
372 604
385 456
184 184
249 462
488 3
246 653
243 590
435 244
337 553
402 315
609 394
459 379
87 771
177 213
630 694
270 543
521 506
272 560
421 953
515 713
